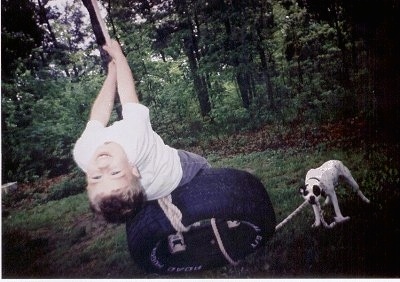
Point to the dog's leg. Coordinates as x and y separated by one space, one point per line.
339 217
317 213
350 180
361 195
326 225
321 217
327 200
346 175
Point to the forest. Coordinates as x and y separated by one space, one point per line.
223 78
204 68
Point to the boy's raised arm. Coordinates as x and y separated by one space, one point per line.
104 102
126 85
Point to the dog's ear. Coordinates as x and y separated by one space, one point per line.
302 189
316 190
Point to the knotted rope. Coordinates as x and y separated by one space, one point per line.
173 213
174 216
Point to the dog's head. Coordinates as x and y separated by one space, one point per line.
310 193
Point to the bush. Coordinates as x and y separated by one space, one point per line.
71 186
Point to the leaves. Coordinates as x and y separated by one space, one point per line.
205 70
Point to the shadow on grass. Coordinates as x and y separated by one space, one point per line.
22 255
366 246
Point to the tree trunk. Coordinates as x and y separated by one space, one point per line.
244 88
192 52
264 63
200 85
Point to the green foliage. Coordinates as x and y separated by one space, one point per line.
383 172
68 187
48 126
19 35
253 64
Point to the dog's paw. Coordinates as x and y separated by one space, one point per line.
339 219
333 224
316 224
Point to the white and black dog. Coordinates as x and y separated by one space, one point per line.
322 181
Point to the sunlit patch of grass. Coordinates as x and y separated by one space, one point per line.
52 214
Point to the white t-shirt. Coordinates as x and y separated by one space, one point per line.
158 164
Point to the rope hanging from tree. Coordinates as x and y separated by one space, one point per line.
98 24
171 211
102 37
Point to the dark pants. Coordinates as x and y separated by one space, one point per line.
191 165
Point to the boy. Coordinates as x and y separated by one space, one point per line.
127 163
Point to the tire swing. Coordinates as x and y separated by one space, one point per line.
227 215
220 217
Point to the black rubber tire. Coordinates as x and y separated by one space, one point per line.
223 194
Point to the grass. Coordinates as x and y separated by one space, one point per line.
63 239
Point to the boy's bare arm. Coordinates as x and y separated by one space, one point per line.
104 102
126 85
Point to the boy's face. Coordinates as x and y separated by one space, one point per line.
109 170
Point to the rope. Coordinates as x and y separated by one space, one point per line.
321 213
291 215
221 244
174 216
101 22
173 213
